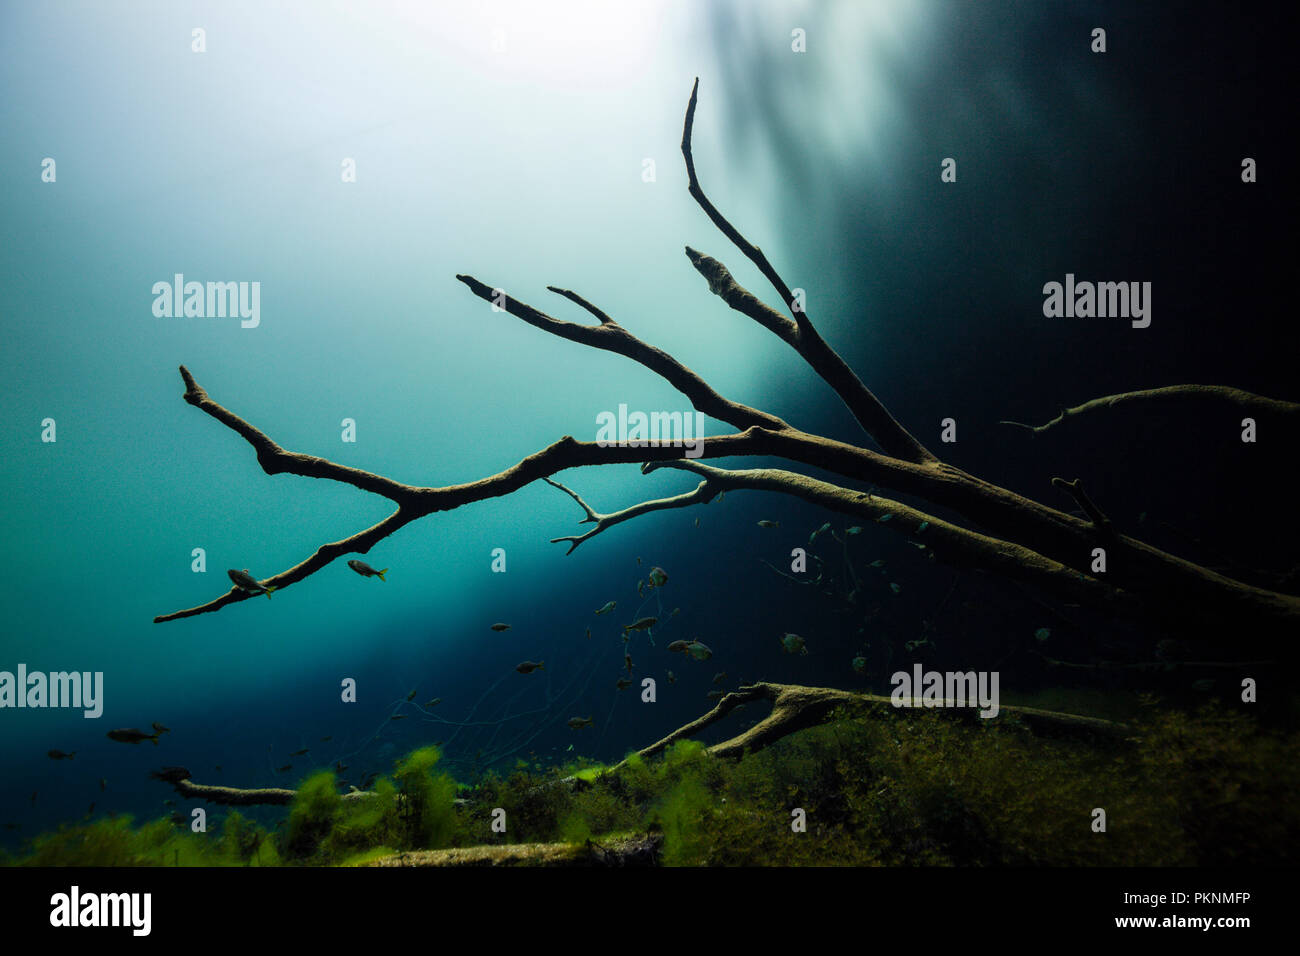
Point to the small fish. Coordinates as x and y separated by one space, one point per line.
658 577
719 677
627 662
129 735
103 784
885 517
878 563
917 545
698 651
588 633
398 717
299 753
678 647
640 588
672 678
59 755
500 627
527 667
822 530
859 665
217 768
366 571
769 524
247 583
676 610
285 769
623 682
160 728
327 739
1043 633
577 723
570 747
609 606
170 774
411 695
894 587
433 703
716 694
794 644
340 766
697 522
856 529
638 561
641 624
922 526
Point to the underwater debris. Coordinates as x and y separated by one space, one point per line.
59 755
500 627
769 524
247 583
794 644
527 667
577 723
129 735
609 606
366 571
658 577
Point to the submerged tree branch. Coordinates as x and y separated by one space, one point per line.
1179 396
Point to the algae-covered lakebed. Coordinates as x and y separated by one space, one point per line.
1203 787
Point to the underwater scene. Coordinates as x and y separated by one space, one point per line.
657 434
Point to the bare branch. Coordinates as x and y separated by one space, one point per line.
1180 396
612 337
275 460
702 494
825 361
1075 490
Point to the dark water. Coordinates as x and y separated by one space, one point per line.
523 166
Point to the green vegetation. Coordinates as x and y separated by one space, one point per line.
1207 787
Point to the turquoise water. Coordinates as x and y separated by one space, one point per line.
511 146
